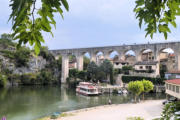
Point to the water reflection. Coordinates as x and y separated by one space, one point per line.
28 103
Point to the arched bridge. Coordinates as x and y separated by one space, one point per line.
156 48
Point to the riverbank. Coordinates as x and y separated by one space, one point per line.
148 110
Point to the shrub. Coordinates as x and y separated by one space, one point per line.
155 81
115 91
28 79
3 80
135 118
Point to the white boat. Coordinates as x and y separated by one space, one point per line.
122 91
87 88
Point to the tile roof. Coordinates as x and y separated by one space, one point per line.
173 81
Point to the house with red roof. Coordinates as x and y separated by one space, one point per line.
173 87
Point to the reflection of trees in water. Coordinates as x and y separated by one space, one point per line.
42 100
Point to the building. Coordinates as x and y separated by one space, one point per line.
147 56
131 59
147 67
118 64
173 87
172 75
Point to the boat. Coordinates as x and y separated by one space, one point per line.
124 91
87 89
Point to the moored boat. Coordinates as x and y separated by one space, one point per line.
87 88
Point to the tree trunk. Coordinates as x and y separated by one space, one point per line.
135 98
143 96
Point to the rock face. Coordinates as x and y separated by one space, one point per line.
34 65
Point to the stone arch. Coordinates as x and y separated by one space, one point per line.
99 57
72 61
167 59
114 55
130 56
146 55
86 59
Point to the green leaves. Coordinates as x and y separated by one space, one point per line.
157 15
28 22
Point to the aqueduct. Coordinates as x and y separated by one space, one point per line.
156 48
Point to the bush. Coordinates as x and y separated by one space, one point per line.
3 80
135 118
155 81
46 77
115 91
22 57
28 79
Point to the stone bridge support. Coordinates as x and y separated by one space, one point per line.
65 68
79 62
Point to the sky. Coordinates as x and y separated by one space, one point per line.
93 23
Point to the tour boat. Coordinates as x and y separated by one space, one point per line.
86 88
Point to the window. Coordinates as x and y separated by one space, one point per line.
141 67
170 87
177 89
174 88
166 86
117 63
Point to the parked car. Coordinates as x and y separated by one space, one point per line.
172 99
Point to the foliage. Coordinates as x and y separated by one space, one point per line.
135 118
127 67
155 81
28 79
163 69
115 91
148 86
92 70
106 67
6 41
82 75
3 80
86 61
157 15
46 77
169 111
112 81
22 56
136 88
29 21
73 73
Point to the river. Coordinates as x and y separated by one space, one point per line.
30 103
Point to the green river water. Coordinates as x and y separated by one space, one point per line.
30 103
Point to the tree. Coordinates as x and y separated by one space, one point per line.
28 21
163 69
126 69
92 70
157 15
22 56
86 61
136 88
106 67
148 86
